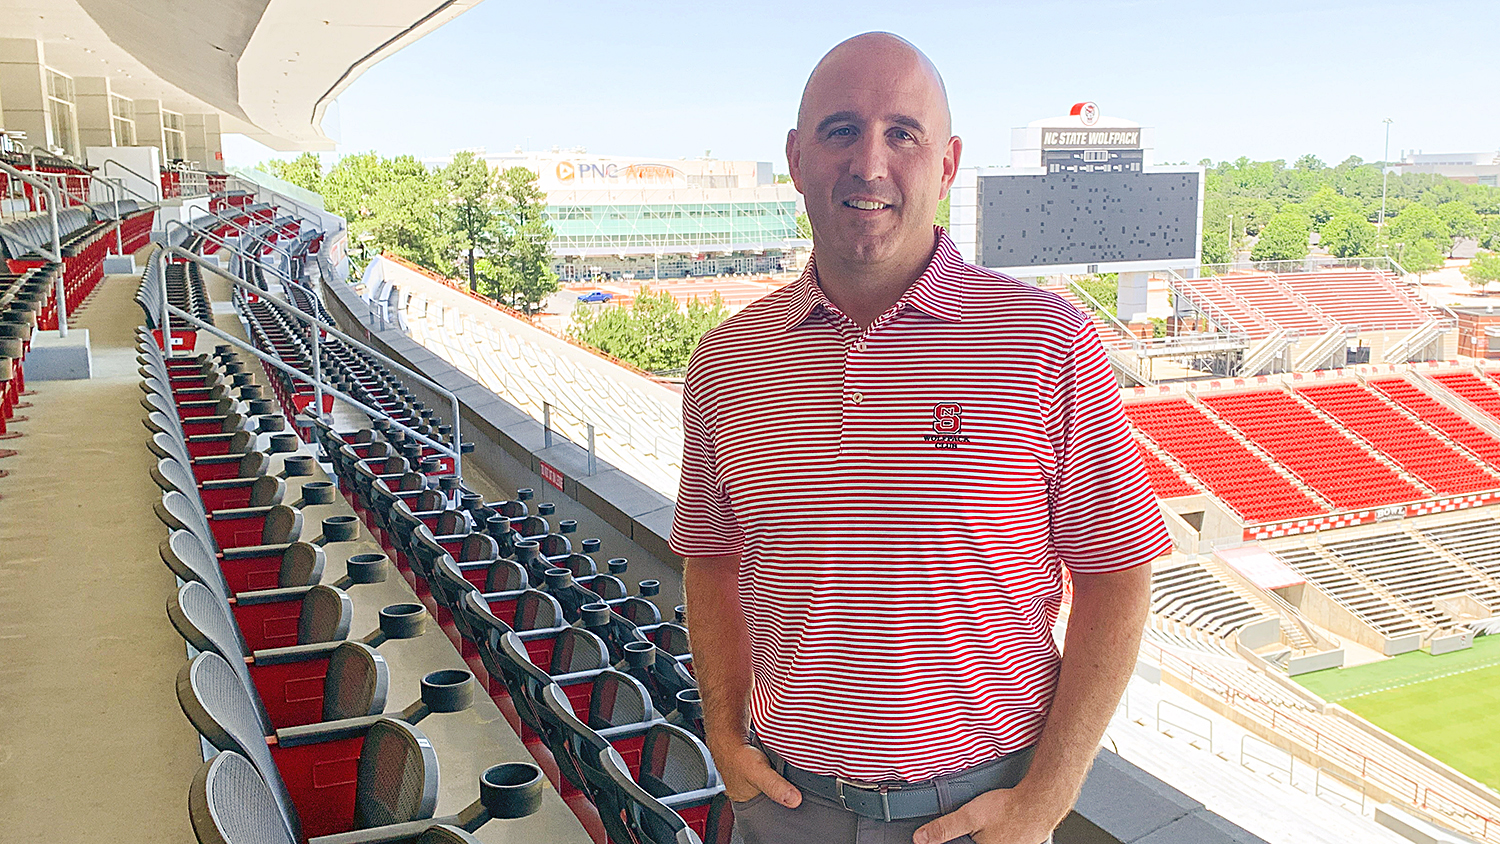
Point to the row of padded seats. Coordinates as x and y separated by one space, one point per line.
25 299
1479 391
1440 416
84 242
598 686
307 749
659 762
185 289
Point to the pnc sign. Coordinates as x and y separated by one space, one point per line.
569 171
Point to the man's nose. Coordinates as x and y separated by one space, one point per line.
868 158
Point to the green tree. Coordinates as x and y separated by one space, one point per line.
518 270
1284 238
1418 224
942 213
1324 205
1421 257
1462 222
1215 247
653 333
468 210
305 171
1483 270
394 200
1349 235
804 226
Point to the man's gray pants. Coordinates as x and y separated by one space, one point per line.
762 820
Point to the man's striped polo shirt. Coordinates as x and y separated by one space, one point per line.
904 500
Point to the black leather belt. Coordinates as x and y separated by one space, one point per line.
893 801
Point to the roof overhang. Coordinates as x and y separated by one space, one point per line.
268 68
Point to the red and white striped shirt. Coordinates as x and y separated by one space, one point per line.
904 500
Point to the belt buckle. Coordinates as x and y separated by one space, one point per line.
884 790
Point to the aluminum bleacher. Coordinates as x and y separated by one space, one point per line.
1274 301
1348 592
1191 594
1359 298
1476 542
1413 573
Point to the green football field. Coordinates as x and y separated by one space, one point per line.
1447 705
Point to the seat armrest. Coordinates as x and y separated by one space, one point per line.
271 596
294 653
228 483
238 513
396 833
346 728
246 551
209 438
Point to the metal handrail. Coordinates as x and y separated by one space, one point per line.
227 245
320 325
245 230
259 187
56 255
109 161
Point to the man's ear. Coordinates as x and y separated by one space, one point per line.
794 159
950 164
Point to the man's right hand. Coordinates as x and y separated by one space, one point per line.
746 773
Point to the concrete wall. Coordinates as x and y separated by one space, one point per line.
24 81
95 126
1323 611
1315 662
148 125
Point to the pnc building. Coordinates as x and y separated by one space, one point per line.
663 218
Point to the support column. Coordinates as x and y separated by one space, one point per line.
148 125
195 143
96 127
1141 296
23 78
213 141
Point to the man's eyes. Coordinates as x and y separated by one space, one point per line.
897 134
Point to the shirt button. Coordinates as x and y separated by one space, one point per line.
857 397
860 346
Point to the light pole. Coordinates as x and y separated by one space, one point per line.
1385 173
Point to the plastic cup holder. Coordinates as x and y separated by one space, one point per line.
381 425
340 528
403 621
318 492
395 437
444 430
449 483
690 704
618 565
546 509
512 790
591 546
430 465
650 588
367 568
284 443
234 367
251 392
262 407
470 501
557 578
497 526
300 465
242 379
567 526
679 612
640 654
449 690
465 448
271 422
595 615
525 494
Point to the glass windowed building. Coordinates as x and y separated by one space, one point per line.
653 218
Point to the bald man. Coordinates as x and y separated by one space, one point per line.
888 467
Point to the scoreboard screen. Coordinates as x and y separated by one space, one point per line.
1088 208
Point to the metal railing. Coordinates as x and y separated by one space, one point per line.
56 256
318 328
150 181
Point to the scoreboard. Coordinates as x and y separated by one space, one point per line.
1081 195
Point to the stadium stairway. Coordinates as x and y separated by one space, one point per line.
77 529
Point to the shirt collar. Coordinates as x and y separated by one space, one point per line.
937 292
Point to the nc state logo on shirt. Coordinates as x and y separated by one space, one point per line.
947 426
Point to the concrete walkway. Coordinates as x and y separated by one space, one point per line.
94 747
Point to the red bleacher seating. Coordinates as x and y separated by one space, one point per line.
1322 457
1166 481
1433 461
1479 392
1226 467
1441 417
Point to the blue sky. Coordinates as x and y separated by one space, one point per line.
675 79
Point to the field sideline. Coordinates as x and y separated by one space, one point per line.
1448 706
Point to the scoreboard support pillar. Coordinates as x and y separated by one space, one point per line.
1143 296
